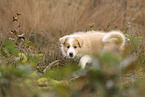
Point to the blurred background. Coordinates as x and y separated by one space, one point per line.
45 21
50 19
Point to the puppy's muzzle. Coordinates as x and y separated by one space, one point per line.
71 54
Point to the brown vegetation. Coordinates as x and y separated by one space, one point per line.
51 18
45 21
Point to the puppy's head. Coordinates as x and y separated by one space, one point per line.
70 45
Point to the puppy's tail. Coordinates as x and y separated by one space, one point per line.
116 37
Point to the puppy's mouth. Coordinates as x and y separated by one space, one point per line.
70 57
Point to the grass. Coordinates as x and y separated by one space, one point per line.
44 22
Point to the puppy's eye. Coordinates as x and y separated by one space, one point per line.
75 46
68 46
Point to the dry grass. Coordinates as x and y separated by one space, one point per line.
63 15
48 17
48 20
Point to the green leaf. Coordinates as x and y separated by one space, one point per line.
11 47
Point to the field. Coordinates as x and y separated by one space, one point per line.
31 63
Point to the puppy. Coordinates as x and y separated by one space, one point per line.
92 43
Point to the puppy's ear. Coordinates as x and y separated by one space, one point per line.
63 39
80 41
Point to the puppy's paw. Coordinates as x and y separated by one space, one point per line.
84 60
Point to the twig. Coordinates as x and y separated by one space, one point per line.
56 62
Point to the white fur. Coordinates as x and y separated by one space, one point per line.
71 49
106 38
84 60
63 52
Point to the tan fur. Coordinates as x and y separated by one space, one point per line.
63 40
92 43
79 41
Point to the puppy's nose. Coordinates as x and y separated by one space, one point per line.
71 54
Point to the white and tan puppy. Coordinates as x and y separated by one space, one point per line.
92 43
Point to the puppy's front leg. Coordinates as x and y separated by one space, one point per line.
84 60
